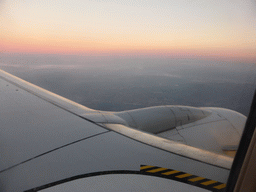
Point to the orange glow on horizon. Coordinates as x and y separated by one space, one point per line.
187 30
38 43
227 55
91 48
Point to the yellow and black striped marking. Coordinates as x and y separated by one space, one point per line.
183 177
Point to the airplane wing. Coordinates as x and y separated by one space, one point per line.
49 143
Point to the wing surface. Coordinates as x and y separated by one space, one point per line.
46 140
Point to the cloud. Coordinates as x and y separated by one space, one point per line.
2 2
32 67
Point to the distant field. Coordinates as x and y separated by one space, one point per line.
145 85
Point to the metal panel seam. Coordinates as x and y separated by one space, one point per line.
55 149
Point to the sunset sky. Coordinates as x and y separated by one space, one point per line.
183 28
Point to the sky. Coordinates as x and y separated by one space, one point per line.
223 30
